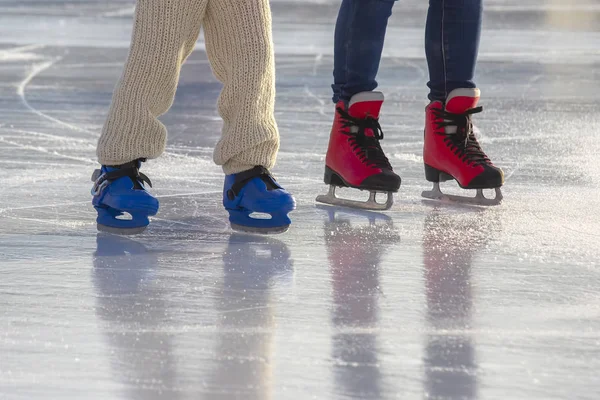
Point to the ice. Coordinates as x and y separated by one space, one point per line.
427 300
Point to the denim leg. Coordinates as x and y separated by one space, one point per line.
451 44
359 36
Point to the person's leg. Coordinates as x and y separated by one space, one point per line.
451 150
239 45
354 155
164 34
359 37
451 44
240 49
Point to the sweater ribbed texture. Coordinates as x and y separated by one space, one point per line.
239 46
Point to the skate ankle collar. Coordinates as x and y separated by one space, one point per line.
463 92
365 96
242 178
131 164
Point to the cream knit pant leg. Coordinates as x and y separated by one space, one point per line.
239 45
164 35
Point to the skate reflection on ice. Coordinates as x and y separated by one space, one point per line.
449 245
252 265
382 223
132 309
354 253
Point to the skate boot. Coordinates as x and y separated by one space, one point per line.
451 150
118 190
355 158
256 191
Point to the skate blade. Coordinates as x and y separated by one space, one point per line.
259 230
121 231
479 199
331 199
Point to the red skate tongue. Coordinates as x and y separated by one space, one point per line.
366 104
461 100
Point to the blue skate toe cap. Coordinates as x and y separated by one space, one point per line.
258 193
255 196
119 191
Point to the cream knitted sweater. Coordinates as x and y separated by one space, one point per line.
240 49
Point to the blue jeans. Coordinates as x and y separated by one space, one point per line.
452 36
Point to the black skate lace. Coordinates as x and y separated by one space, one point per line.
463 142
130 170
366 147
244 177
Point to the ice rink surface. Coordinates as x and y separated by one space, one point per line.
426 301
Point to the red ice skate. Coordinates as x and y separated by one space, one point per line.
452 151
354 156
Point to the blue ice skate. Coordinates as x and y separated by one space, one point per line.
256 191
119 190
